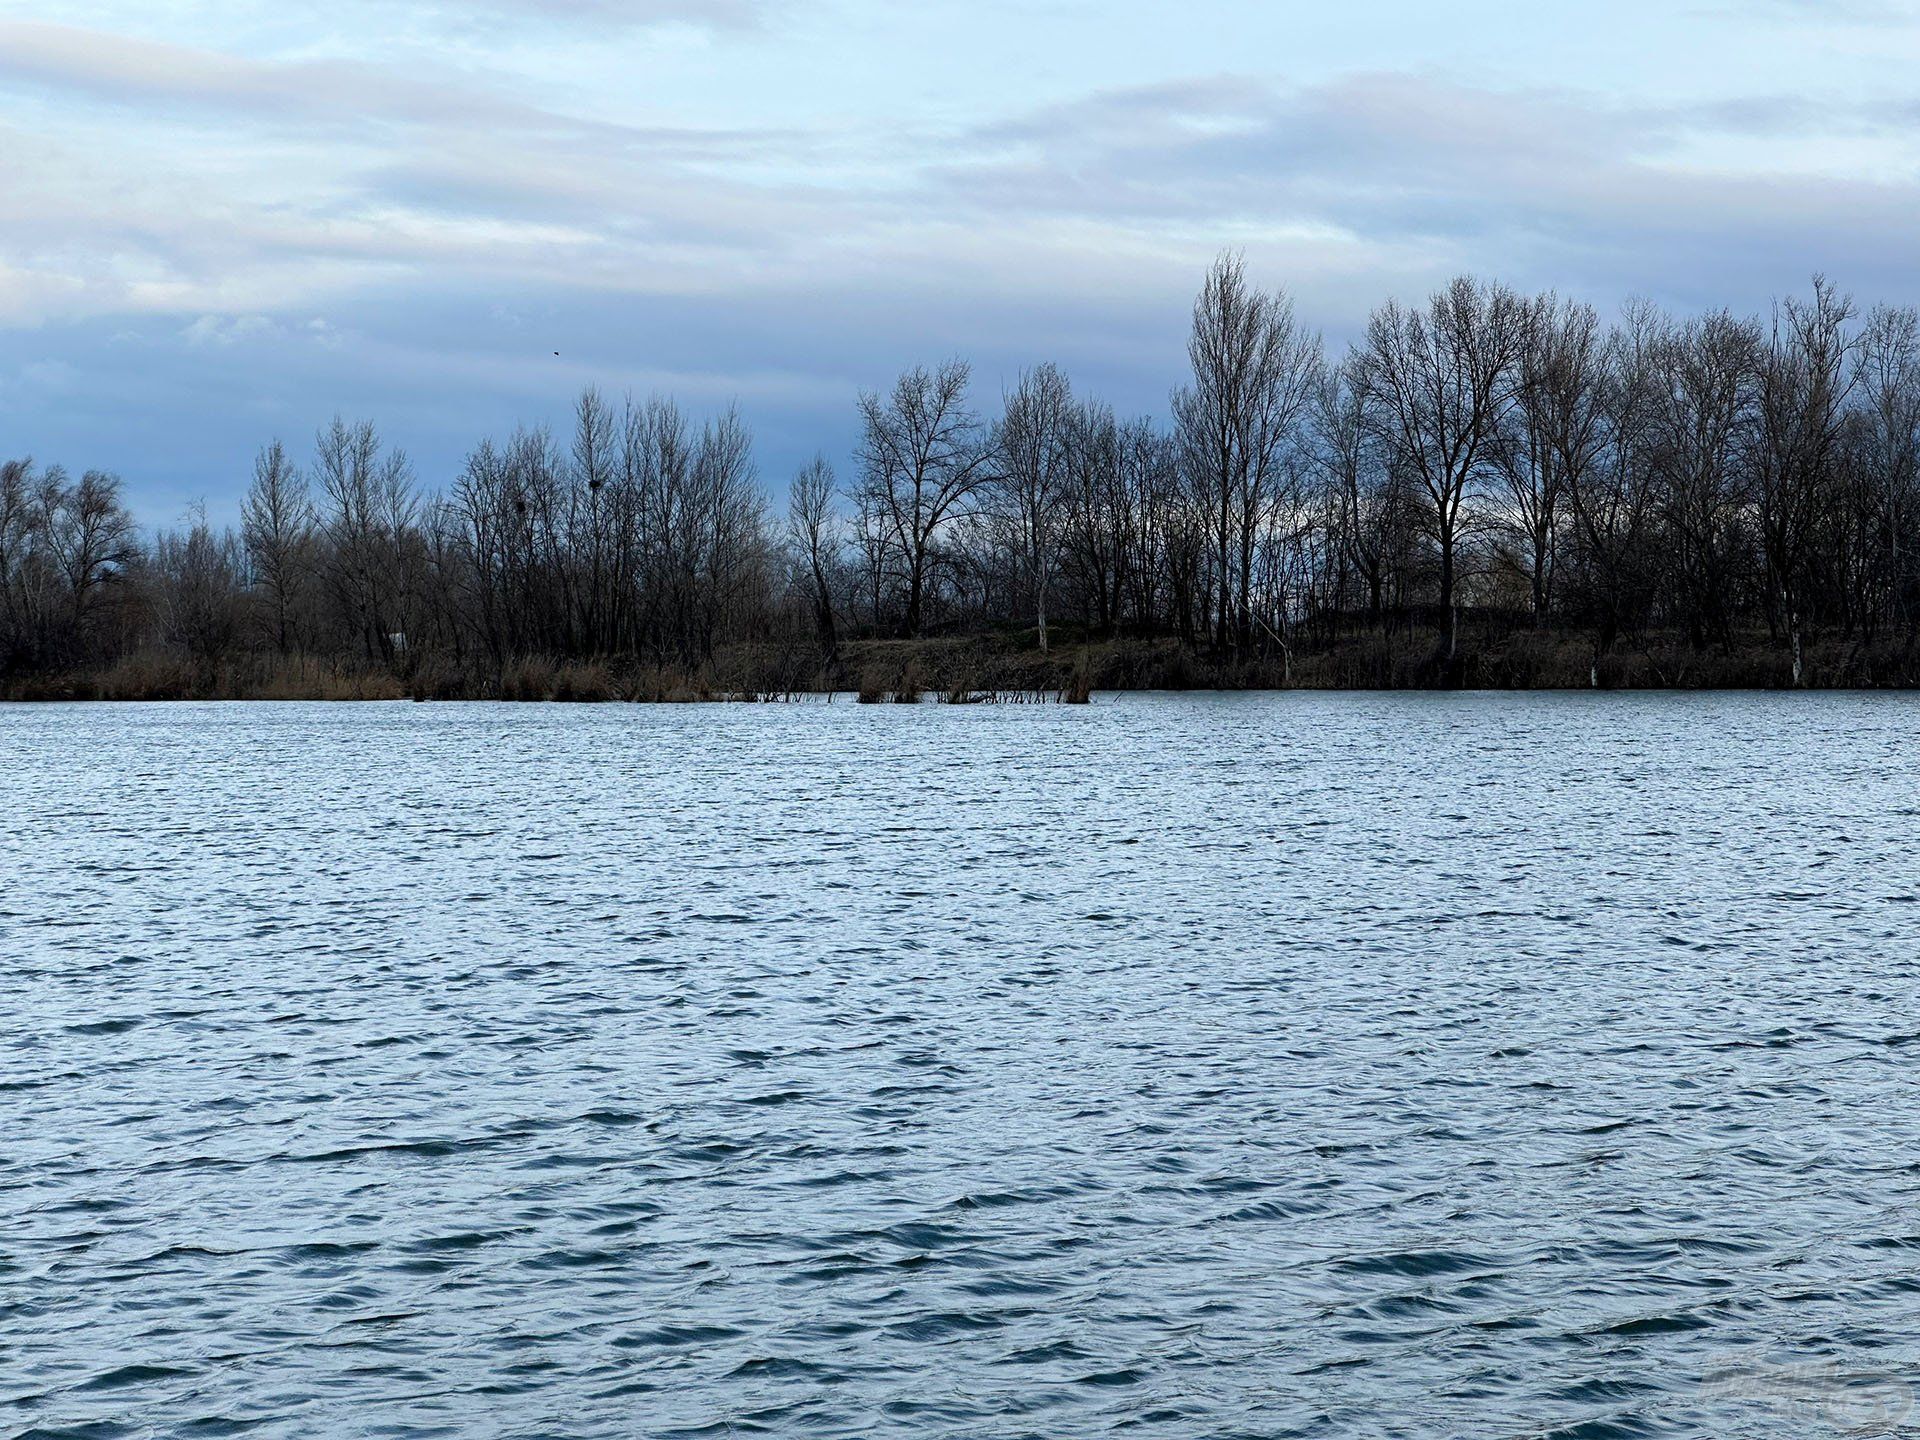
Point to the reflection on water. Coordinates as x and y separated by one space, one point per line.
1199 1066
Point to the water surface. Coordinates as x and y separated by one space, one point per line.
1181 1066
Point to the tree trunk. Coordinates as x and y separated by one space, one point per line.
823 617
1793 631
914 583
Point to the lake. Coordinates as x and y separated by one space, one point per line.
1288 1065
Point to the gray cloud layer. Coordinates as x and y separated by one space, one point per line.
299 225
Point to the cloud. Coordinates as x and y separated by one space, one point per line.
1567 187
703 14
158 76
183 214
1844 12
257 184
1393 176
225 332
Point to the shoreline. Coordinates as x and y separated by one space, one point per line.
998 669
848 697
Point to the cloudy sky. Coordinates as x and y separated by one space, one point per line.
223 221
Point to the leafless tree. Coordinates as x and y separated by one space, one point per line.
1147 514
1439 382
595 515
370 503
872 543
1611 494
1367 508
1684 484
921 459
1555 432
1095 518
1032 452
201 595
90 538
277 527
1255 370
21 584
1700 421
1888 456
1806 372
812 533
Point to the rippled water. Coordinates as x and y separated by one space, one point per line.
1202 1066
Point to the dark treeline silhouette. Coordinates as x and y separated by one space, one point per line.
1487 488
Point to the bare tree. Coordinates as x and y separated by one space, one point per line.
1439 383
1098 516
873 547
713 551
370 504
1364 502
1555 432
90 538
811 527
1610 495
1676 483
1888 387
1144 515
21 587
921 459
1032 450
277 527
200 588
1700 419
1806 374
1255 370
595 518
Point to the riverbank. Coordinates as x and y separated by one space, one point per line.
980 667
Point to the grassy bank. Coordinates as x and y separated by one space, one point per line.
1003 666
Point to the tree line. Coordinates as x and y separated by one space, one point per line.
1720 479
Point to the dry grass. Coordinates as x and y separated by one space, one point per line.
159 676
584 683
152 677
1007 669
529 678
309 679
